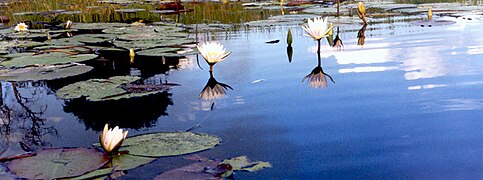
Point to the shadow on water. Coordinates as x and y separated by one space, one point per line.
126 113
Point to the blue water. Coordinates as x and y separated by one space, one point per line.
405 105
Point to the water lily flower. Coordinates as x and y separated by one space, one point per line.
111 139
68 24
361 12
213 52
318 27
21 27
430 14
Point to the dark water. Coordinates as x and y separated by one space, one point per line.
407 104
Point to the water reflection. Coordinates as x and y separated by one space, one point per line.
317 78
22 121
214 89
360 36
289 53
337 41
126 113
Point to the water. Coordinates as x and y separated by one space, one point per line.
406 104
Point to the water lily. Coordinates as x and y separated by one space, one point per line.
317 28
21 27
430 14
361 12
68 24
213 52
111 139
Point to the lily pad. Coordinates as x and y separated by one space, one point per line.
168 144
143 29
137 45
28 35
158 51
243 164
101 89
97 26
44 72
58 163
118 163
94 38
147 37
429 23
46 59
129 10
64 42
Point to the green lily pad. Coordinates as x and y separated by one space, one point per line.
145 37
97 26
58 163
243 164
43 72
157 51
30 35
143 29
19 44
94 38
102 89
118 163
46 59
168 144
137 45
129 10
64 42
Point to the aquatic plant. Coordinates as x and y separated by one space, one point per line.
318 28
21 27
213 52
361 12
111 139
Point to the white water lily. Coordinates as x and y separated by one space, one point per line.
213 52
111 139
68 24
21 27
318 27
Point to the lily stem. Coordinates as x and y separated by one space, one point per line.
318 46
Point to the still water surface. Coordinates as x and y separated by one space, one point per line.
406 104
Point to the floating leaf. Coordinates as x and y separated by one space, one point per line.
58 163
119 163
129 10
94 38
243 164
46 59
145 37
44 72
64 42
137 45
211 169
193 171
143 29
101 89
97 26
168 144
157 51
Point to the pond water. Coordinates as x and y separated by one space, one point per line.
405 104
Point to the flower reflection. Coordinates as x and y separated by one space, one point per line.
337 41
214 89
317 78
360 35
